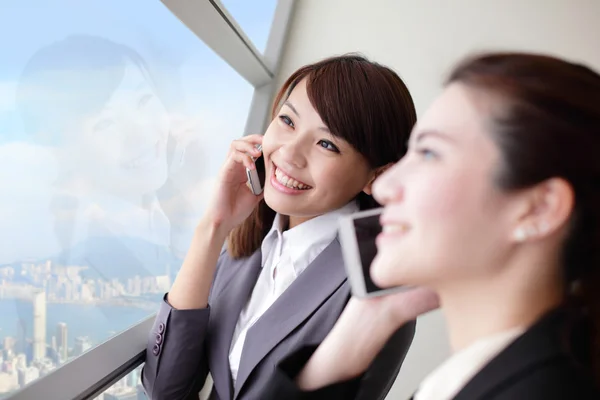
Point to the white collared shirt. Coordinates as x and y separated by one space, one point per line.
447 380
285 255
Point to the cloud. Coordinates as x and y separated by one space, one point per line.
8 91
27 169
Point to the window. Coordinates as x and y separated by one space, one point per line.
254 17
115 118
127 388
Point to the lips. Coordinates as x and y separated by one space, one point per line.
393 226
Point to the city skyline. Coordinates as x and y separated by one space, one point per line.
29 355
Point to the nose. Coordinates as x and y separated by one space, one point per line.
388 188
292 154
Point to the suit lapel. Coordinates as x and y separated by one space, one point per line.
543 342
240 277
320 279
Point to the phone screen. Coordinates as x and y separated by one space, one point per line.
260 170
366 230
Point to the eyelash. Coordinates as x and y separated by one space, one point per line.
328 145
287 120
327 142
424 152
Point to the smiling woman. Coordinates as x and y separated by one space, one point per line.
102 109
336 125
333 150
95 104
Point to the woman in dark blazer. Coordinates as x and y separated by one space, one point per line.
280 284
495 210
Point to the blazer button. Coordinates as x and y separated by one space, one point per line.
161 327
155 349
159 338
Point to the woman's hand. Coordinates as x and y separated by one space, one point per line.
359 335
232 200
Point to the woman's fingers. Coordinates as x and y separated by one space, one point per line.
247 144
244 147
242 158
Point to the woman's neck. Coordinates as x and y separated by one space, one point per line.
516 298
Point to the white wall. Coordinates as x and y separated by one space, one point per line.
421 39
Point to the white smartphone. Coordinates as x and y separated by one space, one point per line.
357 233
256 176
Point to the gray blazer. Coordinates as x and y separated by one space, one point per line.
185 345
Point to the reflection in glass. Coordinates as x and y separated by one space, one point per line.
127 388
108 151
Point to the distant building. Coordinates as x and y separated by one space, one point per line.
39 325
82 344
27 375
62 343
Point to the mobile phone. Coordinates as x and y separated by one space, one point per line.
357 233
256 176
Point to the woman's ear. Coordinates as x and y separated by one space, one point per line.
547 209
368 189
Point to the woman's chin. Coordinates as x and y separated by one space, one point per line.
279 202
385 271
382 273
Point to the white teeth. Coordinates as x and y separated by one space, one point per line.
289 182
396 228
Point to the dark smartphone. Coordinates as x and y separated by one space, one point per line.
357 237
256 176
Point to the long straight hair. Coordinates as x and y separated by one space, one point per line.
361 102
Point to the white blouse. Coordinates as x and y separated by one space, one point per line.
452 375
285 255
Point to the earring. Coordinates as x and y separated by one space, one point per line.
520 234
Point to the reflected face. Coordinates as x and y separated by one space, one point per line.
444 219
309 170
124 145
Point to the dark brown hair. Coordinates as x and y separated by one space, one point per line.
362 102
549 126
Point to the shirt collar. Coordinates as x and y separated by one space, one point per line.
316 232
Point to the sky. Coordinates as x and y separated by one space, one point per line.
192 95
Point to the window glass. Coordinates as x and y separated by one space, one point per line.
127 388
254 17
114 120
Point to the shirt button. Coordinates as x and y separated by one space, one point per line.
156 349
159 338
161 327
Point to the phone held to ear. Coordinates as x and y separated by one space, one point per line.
357 234
256 176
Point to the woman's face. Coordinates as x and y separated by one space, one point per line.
124 145
309 170
444 219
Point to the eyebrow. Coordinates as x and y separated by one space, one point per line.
433 133
291 106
